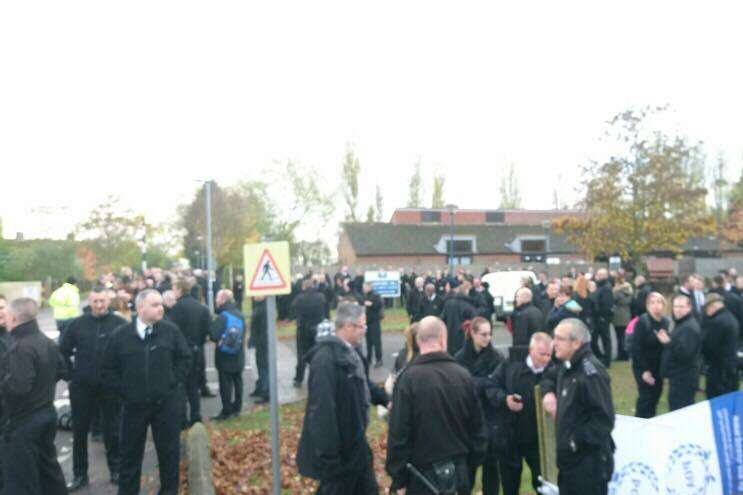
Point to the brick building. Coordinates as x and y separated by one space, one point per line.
423 237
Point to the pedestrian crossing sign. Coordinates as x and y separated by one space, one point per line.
267 269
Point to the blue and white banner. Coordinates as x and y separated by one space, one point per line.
697 450
384 283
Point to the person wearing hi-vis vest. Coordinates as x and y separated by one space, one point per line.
228 332
65 302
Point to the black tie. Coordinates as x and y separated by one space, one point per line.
147 331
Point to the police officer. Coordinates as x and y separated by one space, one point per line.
29 372
436 422
194 321
720 333
310 309
584 411
680 359
510 395
259 340
85 342
374 314
146 363
228 333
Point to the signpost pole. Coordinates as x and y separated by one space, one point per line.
273 393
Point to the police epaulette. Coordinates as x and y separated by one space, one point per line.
589 367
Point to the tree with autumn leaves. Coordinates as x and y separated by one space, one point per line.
649 196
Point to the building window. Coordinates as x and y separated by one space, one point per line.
532 246
461 246
431 217
459 260
495 217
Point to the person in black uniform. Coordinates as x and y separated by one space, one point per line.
646 351
333 447
259 340
415 300
584 413
85 342
642 290
603 317
228 333
29 371
526 319
680 359
193 319
458 309
432 303
436 422
310 309
480 358
147 363
374 312
510 397
720 333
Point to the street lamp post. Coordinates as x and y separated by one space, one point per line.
452 208
546 224
209 257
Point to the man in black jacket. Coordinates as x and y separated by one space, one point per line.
680 360
310 309
374 307
457 309
720 333
85 342
259 340
584 413
511 395
146 363
193 319
483 299
602 318
642 290
414 300
526 320
333 447
228 333
733 302
29 371
432 303
453 435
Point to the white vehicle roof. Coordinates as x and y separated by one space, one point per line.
505 284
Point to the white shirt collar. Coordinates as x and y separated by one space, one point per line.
141 327
531 366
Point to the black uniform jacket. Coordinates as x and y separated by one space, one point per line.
526 320
509 428
720 333
144 371
309 307
646 350
229 363
585 411
435 416
87 338
29 371
681 356
333 442
457 309
193 319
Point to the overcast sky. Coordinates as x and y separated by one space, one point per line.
143 98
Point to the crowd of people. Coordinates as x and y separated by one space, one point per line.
134 359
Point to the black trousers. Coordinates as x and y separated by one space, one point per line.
647 395
589 477
261 362
30 458
203 386
136 418
511 466
601 331
305 341
362 482
681 391
490 478
463 481
193 388
85 401
622 354
231 391
374 341
720 381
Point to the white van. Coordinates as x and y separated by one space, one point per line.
503 287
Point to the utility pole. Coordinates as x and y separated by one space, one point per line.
209 256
